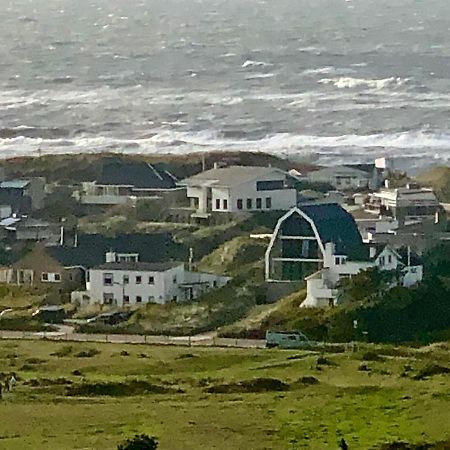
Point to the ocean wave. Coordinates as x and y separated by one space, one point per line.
351 83
32 132
312 50
425 146
250 63
259 76
328 70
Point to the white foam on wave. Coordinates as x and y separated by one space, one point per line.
251 63
328 70
352 83
259 76
417 144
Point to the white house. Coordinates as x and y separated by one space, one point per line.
136 283
405 203
236 189
341 177
322 286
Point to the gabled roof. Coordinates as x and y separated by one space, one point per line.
347 170
139 266
230 176
135 173
334 224
92 248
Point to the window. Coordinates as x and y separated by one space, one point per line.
127 257
138 299
382 261
239 203
151 298
249 203
44 276
217 203
389 259
151 279
108 298
126 299
138 279
57 277
271 185
258 203
174 279
268 202
108 279
126 279
337 261
225 203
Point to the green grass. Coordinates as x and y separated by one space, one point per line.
368 408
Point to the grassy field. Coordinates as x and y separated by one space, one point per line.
204 399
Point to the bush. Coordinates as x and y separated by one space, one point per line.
139 442
89 353
308 380
430 370
372 356
117 389
65 350
249 386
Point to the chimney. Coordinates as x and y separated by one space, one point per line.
386 184
216 165
110 257
372 252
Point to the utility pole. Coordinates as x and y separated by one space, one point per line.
191 259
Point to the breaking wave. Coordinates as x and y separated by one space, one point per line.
351 83
250 63
323 149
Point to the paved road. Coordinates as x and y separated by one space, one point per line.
66 334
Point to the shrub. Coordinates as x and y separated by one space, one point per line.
372 356
430 370
89 353
308 380
117 389
64 351
139 442
247 386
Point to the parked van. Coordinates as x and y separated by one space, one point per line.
287 339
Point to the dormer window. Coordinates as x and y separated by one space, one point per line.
127 257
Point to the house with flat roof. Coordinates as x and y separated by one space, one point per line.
237 189
121 181
405 203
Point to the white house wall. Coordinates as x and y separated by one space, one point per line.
162 291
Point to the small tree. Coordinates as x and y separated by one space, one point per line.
139 442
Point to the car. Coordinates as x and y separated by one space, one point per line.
287 339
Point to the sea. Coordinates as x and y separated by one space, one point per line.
322 81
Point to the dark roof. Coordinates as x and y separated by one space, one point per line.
92 248
135 173
364 167
335 224
139 266
415 259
